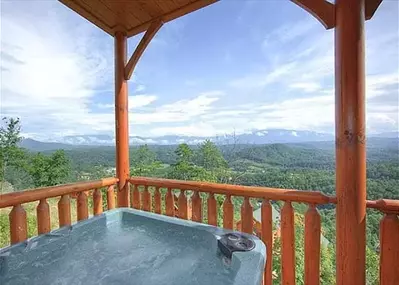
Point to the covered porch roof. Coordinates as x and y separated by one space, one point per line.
132 17
123 18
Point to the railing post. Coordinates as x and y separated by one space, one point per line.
121 120
228 213
135 197
350 141
169 203
389 250
64 211
18 224
212 210
157 201
312 246
98 202
110 197
43 217
287 245
267 238
182 202
146 198
196 207
82 207
246 216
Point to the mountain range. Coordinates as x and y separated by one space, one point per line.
255 137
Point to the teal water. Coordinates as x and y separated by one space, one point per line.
131 250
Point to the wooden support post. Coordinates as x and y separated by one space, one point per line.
228 213
170 203
121 120
98 202
287 245
64 211
157 201
350 141
182 202
110 197
246 216
212 210
148 36
312 246
267 238
197 207
43 217
18 224
389 250
82 206
146 198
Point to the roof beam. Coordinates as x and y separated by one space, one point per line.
89 16
148 36
193 6
322 10
370 7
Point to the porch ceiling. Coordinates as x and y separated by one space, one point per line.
132 16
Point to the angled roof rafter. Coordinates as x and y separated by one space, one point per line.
135 16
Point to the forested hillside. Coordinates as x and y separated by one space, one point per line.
306 166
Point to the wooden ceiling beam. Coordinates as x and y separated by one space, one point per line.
89 16
148 36
193 6
370 7
322 10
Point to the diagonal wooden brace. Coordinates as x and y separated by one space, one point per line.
148 36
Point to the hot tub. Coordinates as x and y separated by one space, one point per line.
126 246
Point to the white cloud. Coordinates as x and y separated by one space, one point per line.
179 111
139 88
308 87
138 101
51 89
105 106
53 72
289 32
135 101
260 80
201 129
376 84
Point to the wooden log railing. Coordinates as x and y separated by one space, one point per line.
389 240
18 216
158 195
194 193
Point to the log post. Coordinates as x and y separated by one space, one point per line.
121 120
350 141
43 217
18 224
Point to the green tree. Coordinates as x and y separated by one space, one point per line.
49 170
144 162
11 155
184 153
185 169
210 157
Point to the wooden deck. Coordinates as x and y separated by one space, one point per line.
160 196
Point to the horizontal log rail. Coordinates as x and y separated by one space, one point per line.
276 194
220 212
18 215
389 240
146 195
22 197
384 205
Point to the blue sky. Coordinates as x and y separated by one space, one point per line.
233 66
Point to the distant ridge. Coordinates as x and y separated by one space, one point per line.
258 137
